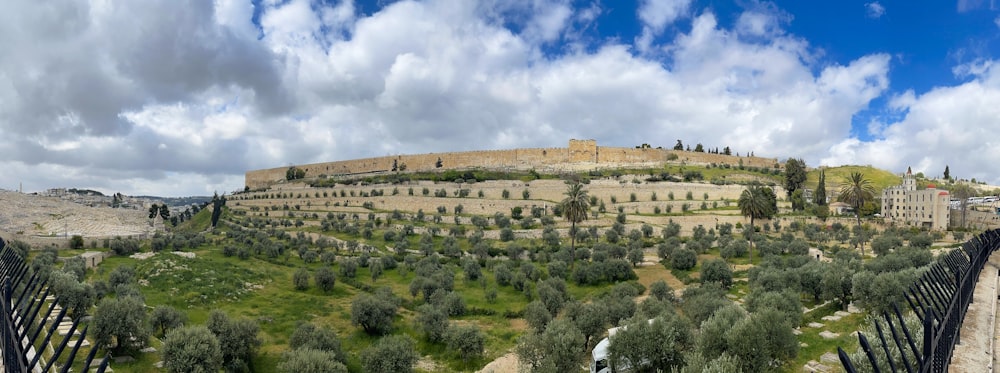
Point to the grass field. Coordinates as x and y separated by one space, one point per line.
260 288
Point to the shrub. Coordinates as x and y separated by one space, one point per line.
191 349
325 279
374 313
716 270
683 259
301 279
390 354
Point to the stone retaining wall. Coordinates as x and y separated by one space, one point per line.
579 153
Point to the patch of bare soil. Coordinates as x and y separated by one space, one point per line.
650 271
505 364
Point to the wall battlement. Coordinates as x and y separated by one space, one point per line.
578 153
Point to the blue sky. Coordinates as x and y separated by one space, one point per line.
181 97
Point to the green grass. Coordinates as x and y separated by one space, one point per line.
837 176
816 346
261 290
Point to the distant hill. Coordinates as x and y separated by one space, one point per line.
837 176
180 201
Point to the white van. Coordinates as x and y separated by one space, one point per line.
599 362
599 358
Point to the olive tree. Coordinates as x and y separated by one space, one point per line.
237 338
301 279
325 279
165 318
716 270
433 322
374 313
310 336
308 360
191 349
655 344
468 341
120 324
392 354
557 349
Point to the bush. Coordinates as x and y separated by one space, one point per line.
308 360
348 268
309 336
76 242
506 235
468 341
374 313
301 279
390 355
124 247
166 318
120 324
237 339
735 249
325 279
683 259
432 321
716 270
661 291
191 349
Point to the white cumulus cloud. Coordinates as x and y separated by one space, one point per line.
84 104
874 10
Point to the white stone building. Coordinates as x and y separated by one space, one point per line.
926 208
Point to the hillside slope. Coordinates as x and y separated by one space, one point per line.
837 176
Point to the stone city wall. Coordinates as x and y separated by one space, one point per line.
579 152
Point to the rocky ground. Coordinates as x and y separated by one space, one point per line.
31 216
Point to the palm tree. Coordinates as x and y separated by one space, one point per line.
575 207
757 202
856 192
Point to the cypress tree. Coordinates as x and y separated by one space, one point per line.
820 196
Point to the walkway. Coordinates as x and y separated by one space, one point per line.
979 347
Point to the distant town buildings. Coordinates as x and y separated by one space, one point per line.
925 208
96 199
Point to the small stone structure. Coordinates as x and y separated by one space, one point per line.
93 258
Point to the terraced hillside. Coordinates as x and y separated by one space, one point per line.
492 261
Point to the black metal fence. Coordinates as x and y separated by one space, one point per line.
24 337
940 298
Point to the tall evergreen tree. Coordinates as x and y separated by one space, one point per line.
819 197
947 173
795 175
217 204
164 211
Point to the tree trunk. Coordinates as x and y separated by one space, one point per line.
861 239
752 231
572 243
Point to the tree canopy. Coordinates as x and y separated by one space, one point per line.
795 175
575 207
757 202
191 349
857 190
